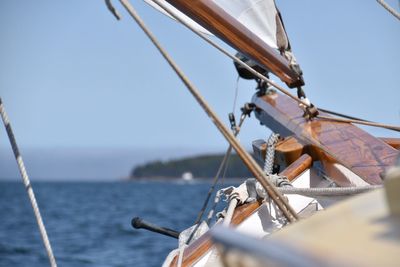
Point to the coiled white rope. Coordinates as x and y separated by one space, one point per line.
28 186
270 153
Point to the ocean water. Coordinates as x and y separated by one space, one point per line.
89 223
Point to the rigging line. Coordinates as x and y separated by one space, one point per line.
28 185
222 182
368 123
250 69
210 191
277 197
236 94
215 181
234 58
354 119
224 162
225 170
214 206
341 114
389 8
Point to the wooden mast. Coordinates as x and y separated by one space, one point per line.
230 30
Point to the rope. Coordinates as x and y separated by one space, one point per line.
27 184
229 211
287 210
225 52
224 162
303 102
217 195
368 123
217 199
236 94
355 120
329 191
389 9
180 255
270 153
341 114
225 170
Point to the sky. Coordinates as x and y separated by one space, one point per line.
71 76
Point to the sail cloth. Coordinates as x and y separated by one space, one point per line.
177 13
261 17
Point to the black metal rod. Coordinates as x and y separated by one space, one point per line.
138 223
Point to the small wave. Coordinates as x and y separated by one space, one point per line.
74 260
9 250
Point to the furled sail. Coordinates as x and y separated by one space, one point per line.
177 13
259 16
253 27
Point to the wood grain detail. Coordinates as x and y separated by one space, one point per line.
393 142
303 163
287 151
328 141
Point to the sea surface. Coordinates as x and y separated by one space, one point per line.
89 223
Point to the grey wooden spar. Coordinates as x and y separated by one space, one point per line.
328 141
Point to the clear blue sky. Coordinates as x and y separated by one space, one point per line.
72 76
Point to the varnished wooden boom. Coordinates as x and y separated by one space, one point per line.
230 30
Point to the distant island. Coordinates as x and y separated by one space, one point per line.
204 166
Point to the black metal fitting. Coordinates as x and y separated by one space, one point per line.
310 112
248 108
300 93
232 121
262 87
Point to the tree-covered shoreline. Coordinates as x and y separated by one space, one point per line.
204 166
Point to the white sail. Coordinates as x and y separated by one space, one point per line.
259 16
177 13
